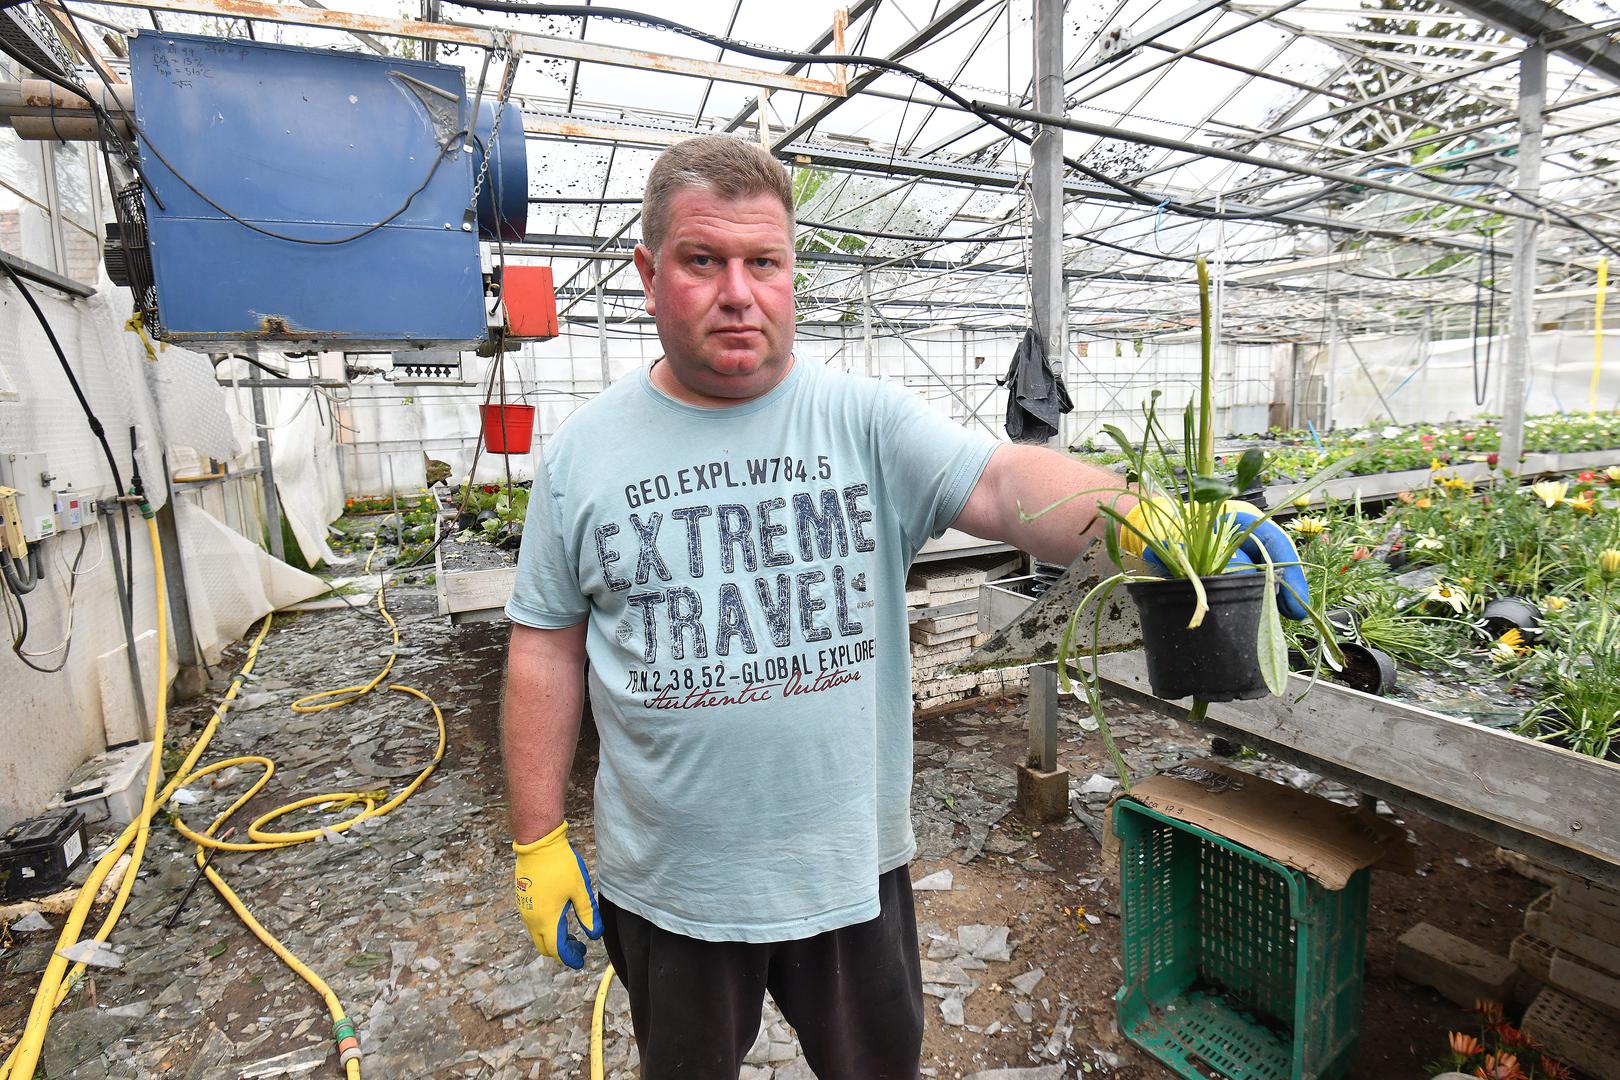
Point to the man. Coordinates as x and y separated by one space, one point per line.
725 537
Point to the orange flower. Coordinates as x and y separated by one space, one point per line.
1500 1067
1555 1070
1424 503
1405 496
1489 1011
1463 1044
1511 1036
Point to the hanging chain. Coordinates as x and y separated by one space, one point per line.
508 77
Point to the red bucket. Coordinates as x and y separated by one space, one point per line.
508 429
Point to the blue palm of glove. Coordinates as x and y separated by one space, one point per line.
1293 592
571 950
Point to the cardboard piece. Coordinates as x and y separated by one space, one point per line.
1323 839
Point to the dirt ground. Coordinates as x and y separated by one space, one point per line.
407 930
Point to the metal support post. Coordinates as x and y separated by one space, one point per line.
1046 184
267 477
191 680
601 327
109 511
866 321
1043 710
1532 96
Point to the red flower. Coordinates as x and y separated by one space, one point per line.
1492 459
1588 477
489 489
1467 438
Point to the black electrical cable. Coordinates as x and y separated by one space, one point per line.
438 159
248 359
90 417
579 11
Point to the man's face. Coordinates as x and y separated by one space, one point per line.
721 291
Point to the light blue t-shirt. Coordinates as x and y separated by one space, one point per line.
743 570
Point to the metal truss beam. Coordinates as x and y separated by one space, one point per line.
950 17
1534 20
489 38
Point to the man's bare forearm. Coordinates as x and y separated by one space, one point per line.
540 716
1023 479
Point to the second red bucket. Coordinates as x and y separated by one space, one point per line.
508 429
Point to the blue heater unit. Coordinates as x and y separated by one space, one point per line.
301 197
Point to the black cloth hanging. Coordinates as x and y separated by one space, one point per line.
1036 397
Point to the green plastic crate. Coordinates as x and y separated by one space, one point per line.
1236 966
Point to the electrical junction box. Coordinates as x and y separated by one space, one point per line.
309 196
74 510
37 855
30 476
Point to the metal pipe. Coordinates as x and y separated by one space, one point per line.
1046 190
1532 95
267 478
109 510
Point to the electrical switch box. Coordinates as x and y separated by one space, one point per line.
73 510
29 475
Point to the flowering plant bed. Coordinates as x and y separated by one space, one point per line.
1500 604
1390 448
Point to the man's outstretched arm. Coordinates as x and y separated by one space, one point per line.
540 718
1025 479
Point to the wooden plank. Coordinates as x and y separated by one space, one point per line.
1385 485
478 590
940 624
939 611
1530 787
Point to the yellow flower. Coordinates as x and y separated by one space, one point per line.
1435 465
1609 562
1550 492
1582 505
1613 473
1555 603
1308 527
1303 501
1510 646
1428 542
1456 483
1441 593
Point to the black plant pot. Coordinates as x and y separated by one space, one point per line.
1372 671
1217 661
1510 613
1343 620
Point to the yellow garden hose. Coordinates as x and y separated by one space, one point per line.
55 986
596 1022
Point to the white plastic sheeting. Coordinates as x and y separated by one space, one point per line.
53 720
231 581
1424 381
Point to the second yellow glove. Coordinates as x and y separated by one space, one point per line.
550 882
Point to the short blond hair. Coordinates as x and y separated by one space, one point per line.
729 167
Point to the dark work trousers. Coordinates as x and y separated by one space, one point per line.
853 995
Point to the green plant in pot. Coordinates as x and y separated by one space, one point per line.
1211 577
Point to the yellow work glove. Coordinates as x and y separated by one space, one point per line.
551 881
